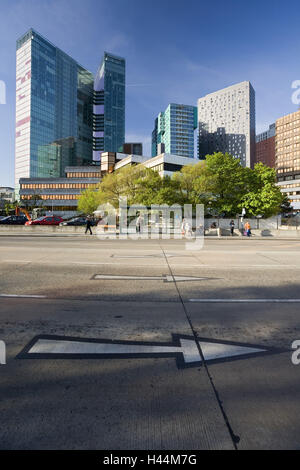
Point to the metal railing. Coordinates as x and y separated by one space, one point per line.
291 222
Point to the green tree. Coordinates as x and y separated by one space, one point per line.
121 183
188 189
148 187
222 184
129 179
10 207
264 198
219 182
88 201
152 189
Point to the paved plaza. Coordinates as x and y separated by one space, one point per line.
142 344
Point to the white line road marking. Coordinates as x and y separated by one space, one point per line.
137 256
174 263
281 301
25 296
166 278
22 296
242 267
82 263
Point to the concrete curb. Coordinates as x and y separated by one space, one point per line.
207 237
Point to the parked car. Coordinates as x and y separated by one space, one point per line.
14 220
290 215
46 220
75 221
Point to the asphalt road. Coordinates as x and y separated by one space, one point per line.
149 296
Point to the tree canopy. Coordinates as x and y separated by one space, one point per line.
219 182
263 197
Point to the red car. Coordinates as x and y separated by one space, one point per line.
47 220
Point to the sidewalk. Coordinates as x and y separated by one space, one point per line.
49 234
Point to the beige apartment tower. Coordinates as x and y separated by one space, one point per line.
287 156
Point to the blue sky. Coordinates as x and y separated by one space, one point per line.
175 51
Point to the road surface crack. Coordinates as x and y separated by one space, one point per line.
235 439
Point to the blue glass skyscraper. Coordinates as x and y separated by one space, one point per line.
54 110
175 129
109 106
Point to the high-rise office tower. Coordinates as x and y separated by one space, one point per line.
226 121
54 114
265 147
174 128
287 156
109 106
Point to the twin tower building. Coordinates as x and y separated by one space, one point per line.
64 115
67 117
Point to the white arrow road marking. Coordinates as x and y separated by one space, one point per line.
188 348
184 349
131 278
166 278
136 256
213 351
188 278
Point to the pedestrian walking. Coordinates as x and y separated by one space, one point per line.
88 226
139 223
200 231
183 227
232 226
188 229
247 229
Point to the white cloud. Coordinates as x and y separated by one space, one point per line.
116 43
196 67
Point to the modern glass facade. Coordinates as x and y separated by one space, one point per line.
267 134
54 115
109 106
175 129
